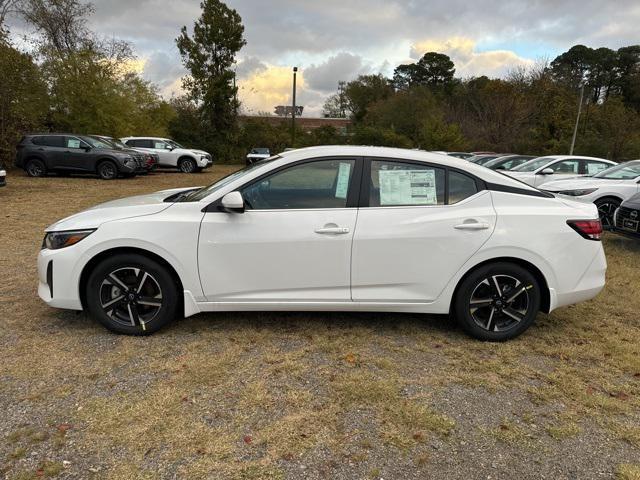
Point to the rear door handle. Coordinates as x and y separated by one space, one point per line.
472 226
332 230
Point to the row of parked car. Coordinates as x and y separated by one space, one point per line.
105 156
614 188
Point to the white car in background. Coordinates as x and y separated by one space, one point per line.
339 228
257 154
555 167
3 175
607 189
171 154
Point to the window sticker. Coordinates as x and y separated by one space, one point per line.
593 168
408 187
159 145
342 184
73 143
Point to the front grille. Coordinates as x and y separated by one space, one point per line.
139 158
626 213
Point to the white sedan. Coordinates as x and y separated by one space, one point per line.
330 229
607 189
555 167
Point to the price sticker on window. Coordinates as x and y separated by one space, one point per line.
342 183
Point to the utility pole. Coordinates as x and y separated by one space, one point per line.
575 129
343 109
293 109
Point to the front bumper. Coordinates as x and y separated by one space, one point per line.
3 178
204 162
57 279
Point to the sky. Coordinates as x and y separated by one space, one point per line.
333 40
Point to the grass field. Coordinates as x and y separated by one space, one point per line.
298 395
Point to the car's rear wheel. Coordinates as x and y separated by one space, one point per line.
187 165
107 170
36 168
132 294
606 208
497 302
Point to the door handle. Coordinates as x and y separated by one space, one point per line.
332 230
472 226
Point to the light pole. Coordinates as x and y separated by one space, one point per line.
575 128
293 109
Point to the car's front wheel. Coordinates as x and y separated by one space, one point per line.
606 208
107 170
187 165
497 301
132 294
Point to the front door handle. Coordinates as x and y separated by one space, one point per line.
332 230
472 226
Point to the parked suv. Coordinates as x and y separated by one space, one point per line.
171 154
3 175
627 217
69 153
150 159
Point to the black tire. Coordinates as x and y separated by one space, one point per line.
187 165
606 208
107 170
485 315
36 168
149 302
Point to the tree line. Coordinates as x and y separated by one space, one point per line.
69 79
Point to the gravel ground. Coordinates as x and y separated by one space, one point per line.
305 396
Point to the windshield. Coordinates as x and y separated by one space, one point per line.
174 144
624 171
112 142
198 195
260 151
484 160
96 143
533 165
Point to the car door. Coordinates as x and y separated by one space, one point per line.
51 148
76 156
293 241
165 153
562 169
413 233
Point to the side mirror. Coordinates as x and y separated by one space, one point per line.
168 147
501 167
233 202
86 148
547 171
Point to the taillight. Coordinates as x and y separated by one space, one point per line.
589 229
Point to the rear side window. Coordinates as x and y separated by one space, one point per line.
592 167
405 184
140 143
49 140
461 186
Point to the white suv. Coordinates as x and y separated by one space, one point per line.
171 154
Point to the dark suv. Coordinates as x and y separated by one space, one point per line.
68 153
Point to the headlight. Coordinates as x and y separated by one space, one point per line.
578 193
56 240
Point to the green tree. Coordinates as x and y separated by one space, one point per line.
361 93
433 69
23 98
208 55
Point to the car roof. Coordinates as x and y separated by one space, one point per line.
569 157
479 171
146 138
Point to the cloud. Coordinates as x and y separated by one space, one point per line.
267 87
468 60
343 66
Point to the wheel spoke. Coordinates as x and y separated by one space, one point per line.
515 295
497 285
142 280
515 314
113 302
152 302
490 323
116 280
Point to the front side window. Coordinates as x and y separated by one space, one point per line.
566 166
405 184
73 142
160 145
317 184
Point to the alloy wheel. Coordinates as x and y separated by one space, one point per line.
187 166
130 296
35 169
606 210
499 303
108 171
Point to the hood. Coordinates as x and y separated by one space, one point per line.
120 209
632 202
198 152
575 184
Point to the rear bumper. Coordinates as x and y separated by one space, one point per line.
589 285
